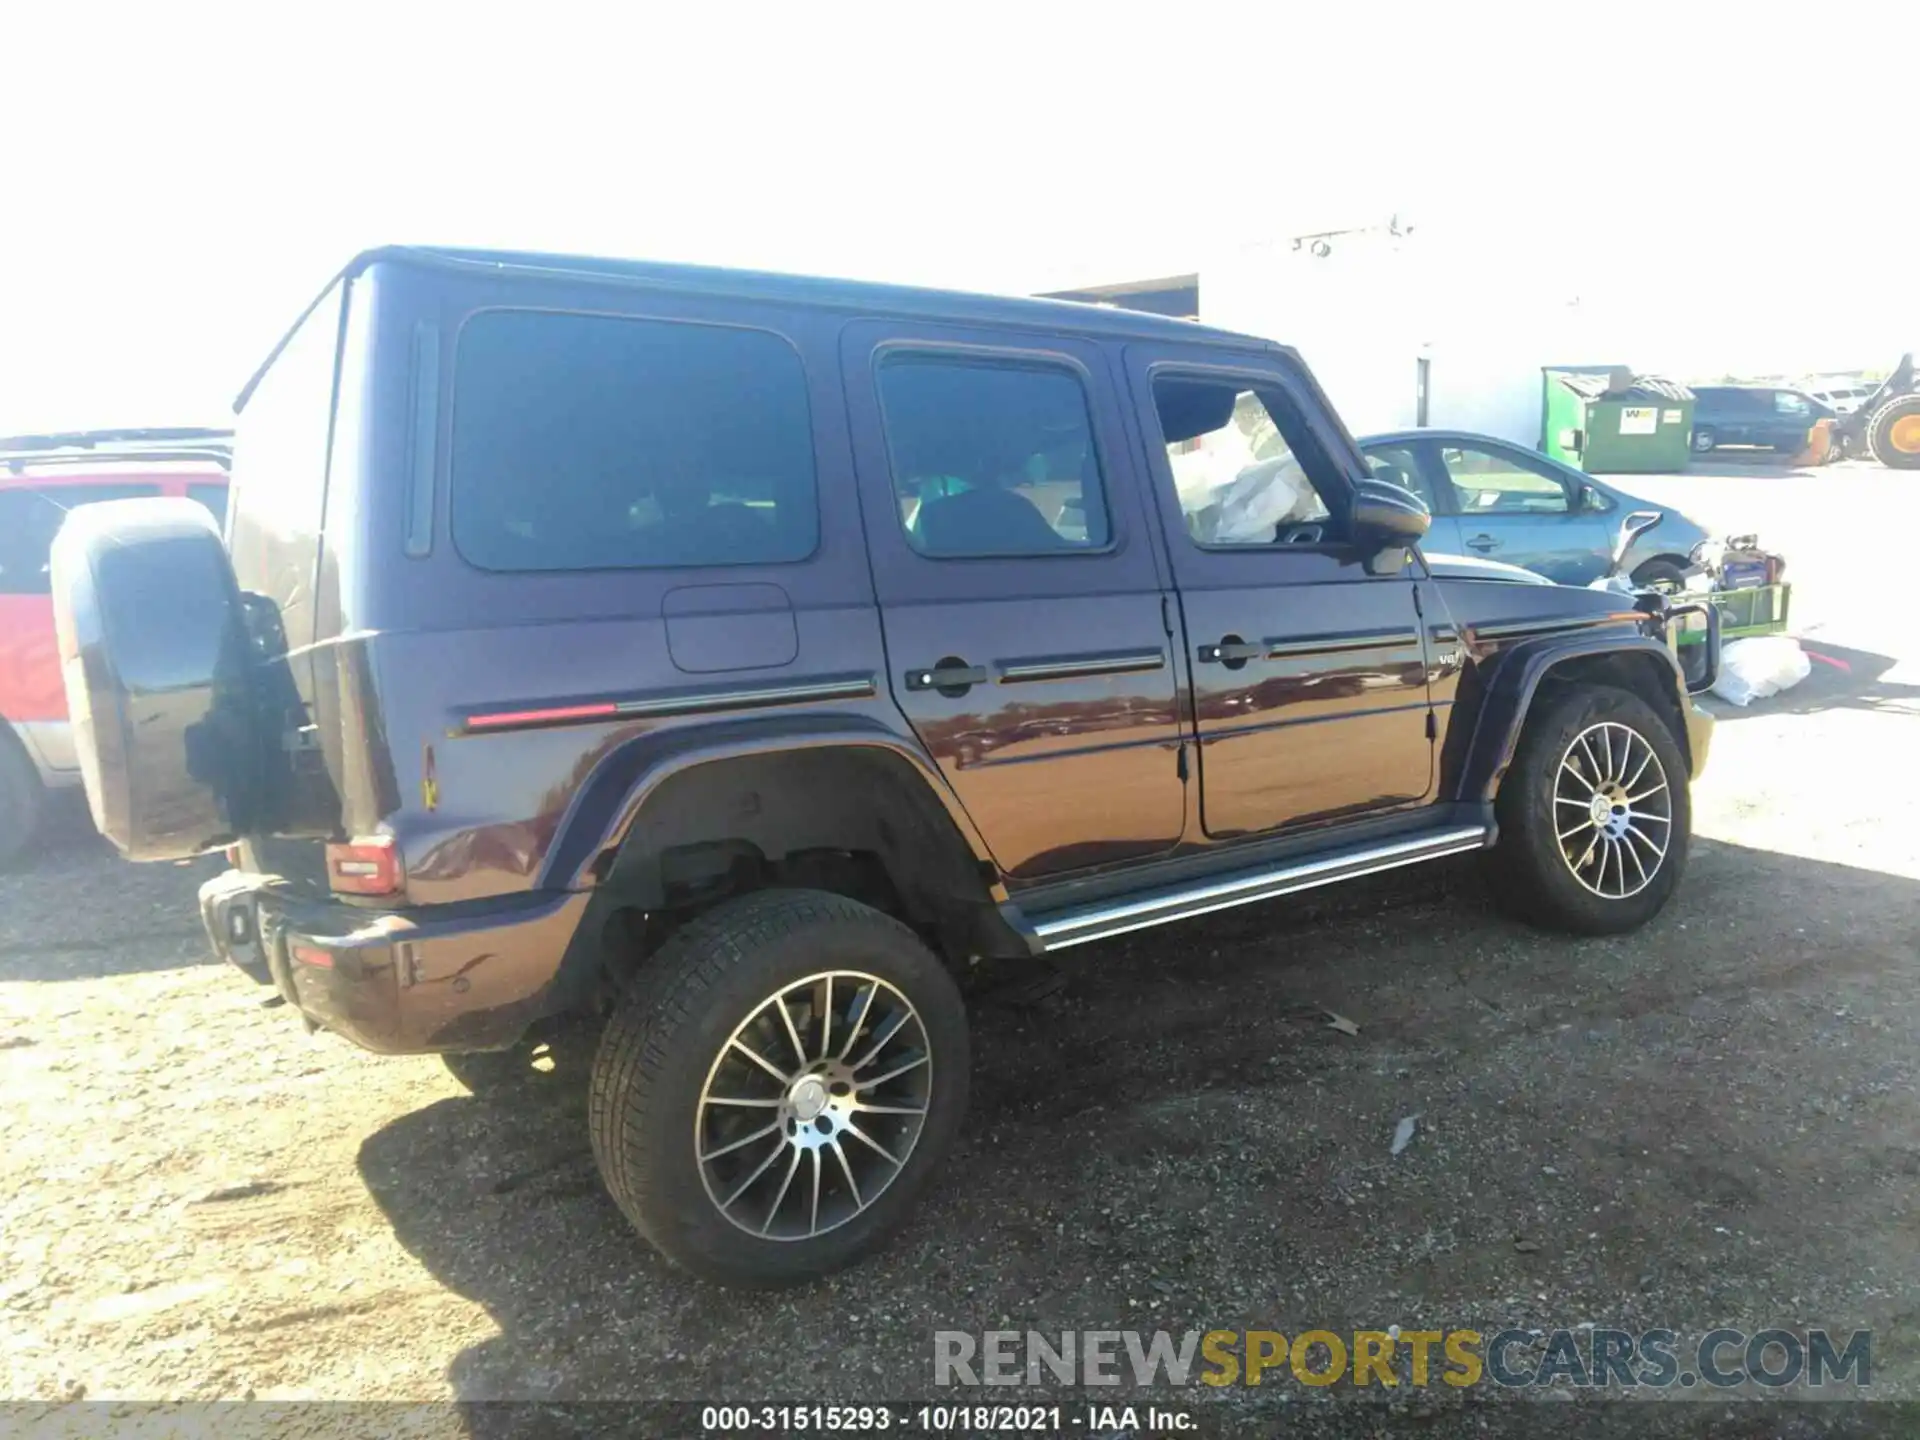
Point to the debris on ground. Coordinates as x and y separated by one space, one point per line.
1342 1024
1403 1134
1758 666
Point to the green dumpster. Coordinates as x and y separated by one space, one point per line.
1604 419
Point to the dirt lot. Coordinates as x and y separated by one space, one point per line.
1714 1122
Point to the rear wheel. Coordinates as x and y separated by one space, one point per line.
1594 814
1893 434
779 1086
1704 439
21 799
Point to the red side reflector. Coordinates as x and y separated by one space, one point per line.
503 718
366 866
307 955
232 853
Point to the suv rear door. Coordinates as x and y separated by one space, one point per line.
1026 635
1309 673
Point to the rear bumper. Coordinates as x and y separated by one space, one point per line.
400 982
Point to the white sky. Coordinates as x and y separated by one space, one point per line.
180 178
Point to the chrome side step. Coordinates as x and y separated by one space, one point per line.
1117 917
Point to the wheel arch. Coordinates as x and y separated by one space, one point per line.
785 796
1637 663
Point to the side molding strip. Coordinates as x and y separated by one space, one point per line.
1098 922
686 702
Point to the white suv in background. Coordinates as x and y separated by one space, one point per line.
1842 396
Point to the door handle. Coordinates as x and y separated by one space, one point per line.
1483 542
1232 650
950 677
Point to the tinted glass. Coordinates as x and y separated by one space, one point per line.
992 459
1496 482
1785 402
214 497
1238 476
588 442
29 519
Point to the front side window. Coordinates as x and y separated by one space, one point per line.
593 442
992 458
1239 477
29 519
1495 482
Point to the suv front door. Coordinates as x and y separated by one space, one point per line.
1309 673
1025 613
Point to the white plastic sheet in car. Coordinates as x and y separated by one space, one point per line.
1243 506
1759 666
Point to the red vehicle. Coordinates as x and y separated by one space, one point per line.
42 477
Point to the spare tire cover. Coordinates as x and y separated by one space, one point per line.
155 657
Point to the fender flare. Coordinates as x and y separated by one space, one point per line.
618 788
1510 688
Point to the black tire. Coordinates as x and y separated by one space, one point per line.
672 1031
22 799
1897 419
1528 873
1704 439
1662 575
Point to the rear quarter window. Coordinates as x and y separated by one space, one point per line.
593 442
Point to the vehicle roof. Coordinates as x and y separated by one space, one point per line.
1401 437
862 296
856 297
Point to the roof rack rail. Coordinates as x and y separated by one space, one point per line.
95 439
164 445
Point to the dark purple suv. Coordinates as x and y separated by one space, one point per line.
733 658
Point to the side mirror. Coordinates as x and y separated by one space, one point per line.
1591 500
1385 521
1631 529
1383 514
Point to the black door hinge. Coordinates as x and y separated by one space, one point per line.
1418 608
1166 614
1180 762
1433 728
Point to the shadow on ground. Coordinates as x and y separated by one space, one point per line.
1180 1140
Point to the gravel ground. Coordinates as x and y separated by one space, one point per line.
1712 1122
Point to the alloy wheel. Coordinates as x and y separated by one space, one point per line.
814 1105
1613 810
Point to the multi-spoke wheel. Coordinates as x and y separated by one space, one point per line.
1593 813
778 1086
1615 810
814 1105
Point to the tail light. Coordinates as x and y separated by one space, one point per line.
369 865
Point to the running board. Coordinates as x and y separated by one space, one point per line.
1157 907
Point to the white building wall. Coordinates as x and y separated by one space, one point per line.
1363 316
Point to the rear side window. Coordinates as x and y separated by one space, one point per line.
29 519
992 459
591 442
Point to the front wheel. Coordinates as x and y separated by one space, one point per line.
1594 814
1704 439
779 1086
